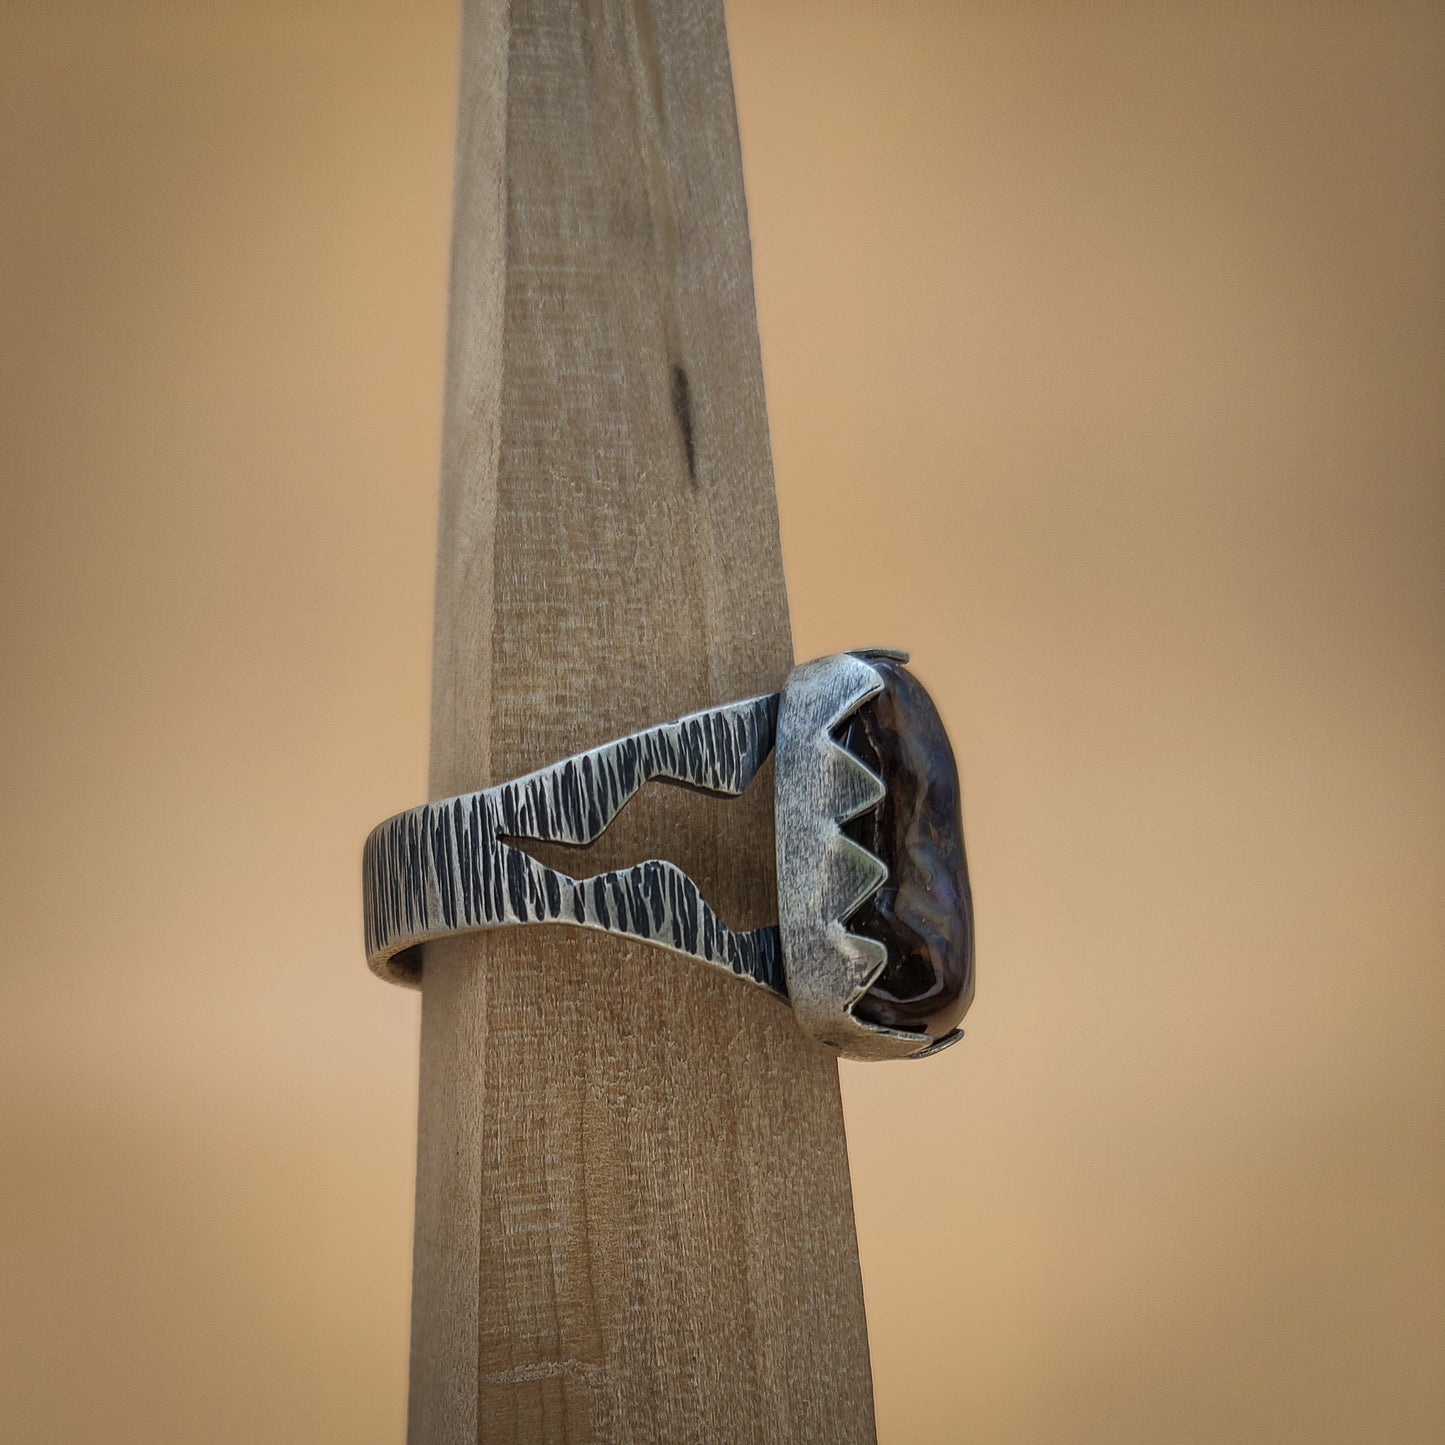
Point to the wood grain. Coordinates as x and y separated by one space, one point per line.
633 1211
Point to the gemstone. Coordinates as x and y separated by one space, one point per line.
922 913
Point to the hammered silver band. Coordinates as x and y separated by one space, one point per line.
448 867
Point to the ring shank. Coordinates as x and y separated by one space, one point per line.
445 867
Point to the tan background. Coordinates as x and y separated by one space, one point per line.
1104 347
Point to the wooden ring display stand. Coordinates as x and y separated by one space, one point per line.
633 1216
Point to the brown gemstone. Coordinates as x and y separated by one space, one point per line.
923 911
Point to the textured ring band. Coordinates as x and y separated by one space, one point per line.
874 941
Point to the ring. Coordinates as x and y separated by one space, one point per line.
873 947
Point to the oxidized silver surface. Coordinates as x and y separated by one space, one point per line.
449 867
446 867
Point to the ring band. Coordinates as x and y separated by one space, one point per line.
869 835
445 868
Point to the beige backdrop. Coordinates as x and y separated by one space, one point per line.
1104 354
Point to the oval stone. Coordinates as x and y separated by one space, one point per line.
922 913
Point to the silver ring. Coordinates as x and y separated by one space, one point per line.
873 947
